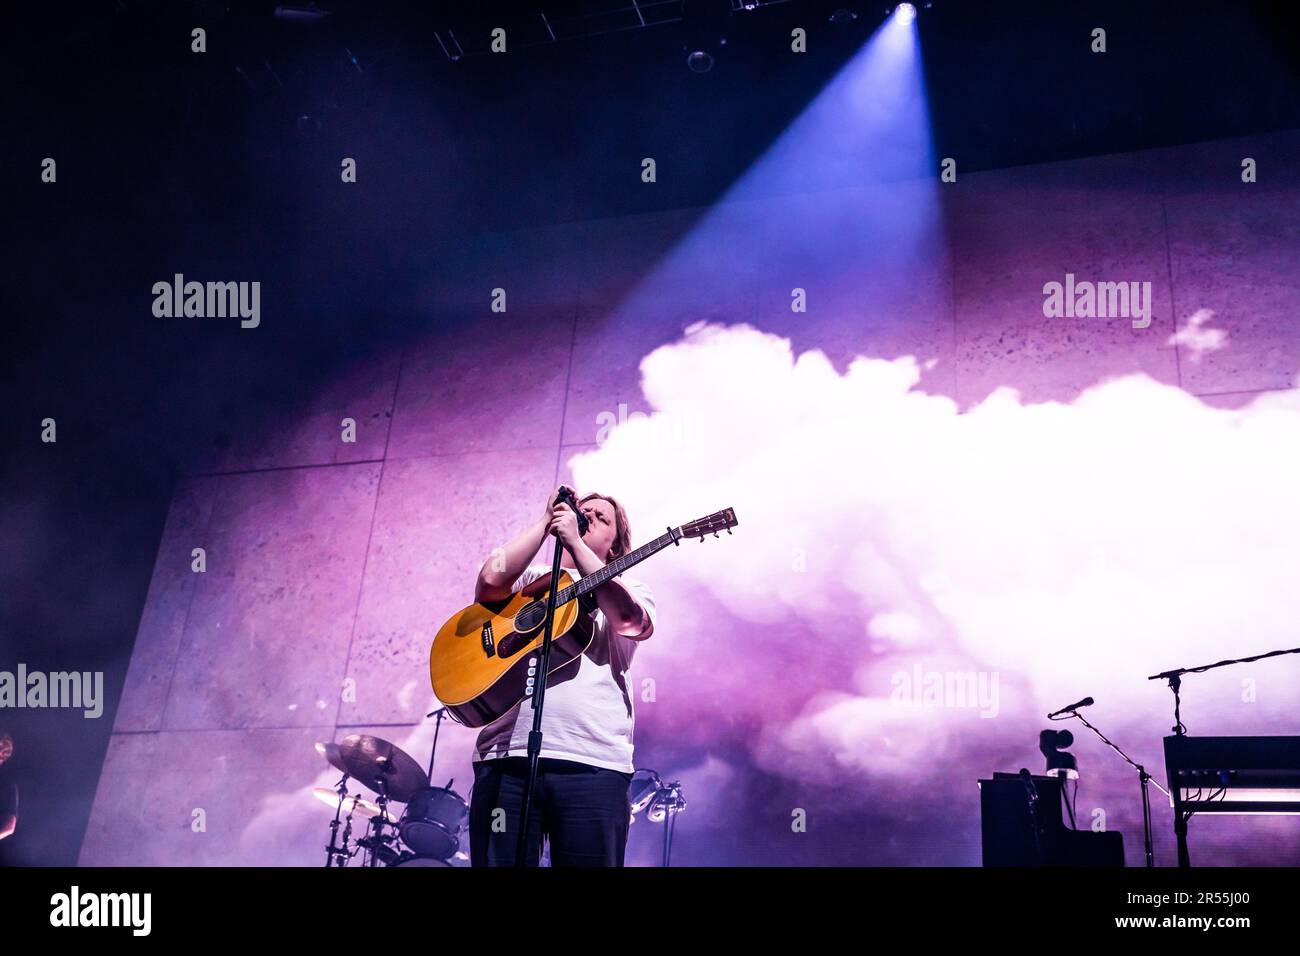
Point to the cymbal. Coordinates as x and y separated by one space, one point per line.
379 766
330 751
353 803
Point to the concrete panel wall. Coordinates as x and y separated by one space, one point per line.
331 565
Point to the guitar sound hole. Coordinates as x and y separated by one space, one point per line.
530 617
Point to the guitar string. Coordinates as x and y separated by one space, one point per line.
617 566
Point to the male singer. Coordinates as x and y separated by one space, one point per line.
580 803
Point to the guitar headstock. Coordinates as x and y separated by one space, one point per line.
723 520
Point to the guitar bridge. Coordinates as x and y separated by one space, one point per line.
489 644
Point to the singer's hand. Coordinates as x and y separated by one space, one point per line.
551 502
564 524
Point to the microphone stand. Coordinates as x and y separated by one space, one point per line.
537 683
433 751
1143 777
669 801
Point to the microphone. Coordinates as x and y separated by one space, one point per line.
1086 702
566 495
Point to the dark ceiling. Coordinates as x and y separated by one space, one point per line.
543 133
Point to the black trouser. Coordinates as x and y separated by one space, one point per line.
583 811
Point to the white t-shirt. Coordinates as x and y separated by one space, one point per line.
588 713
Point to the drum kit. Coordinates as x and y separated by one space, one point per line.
428 830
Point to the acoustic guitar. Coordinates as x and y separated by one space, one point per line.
482 661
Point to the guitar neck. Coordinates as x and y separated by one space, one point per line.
617 566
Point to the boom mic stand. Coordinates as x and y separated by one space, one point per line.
1144 777
537 679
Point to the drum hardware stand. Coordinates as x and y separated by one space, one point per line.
377 837
347 833
537 680
333 851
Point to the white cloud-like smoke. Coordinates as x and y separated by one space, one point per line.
1042 551
1057 549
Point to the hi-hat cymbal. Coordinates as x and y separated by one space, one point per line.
353 803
